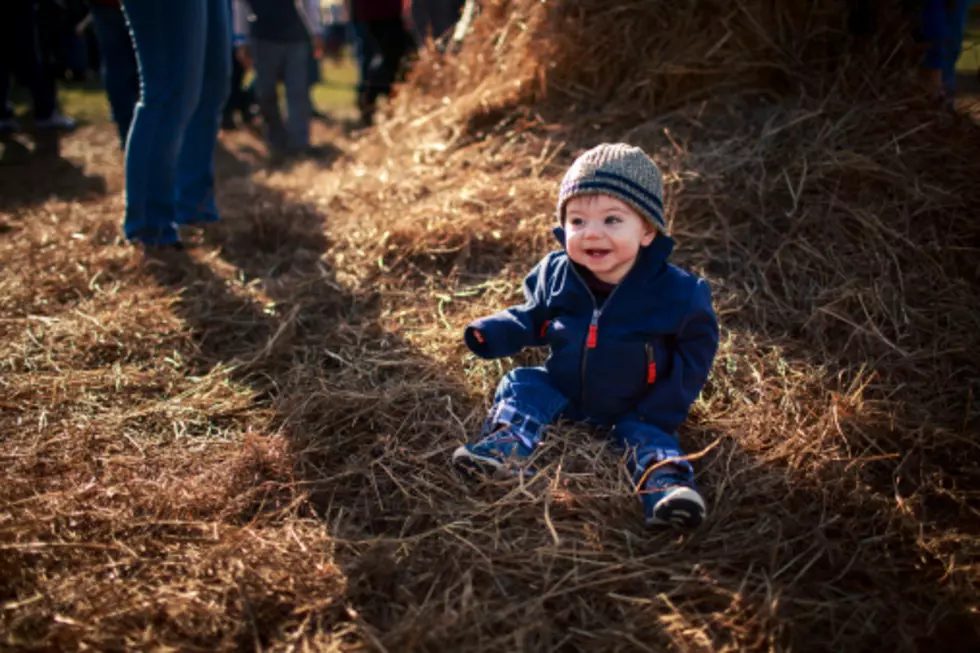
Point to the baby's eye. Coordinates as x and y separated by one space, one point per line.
613 219
576 222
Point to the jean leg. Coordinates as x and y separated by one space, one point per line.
168 37
269 61
120 74
298 104
195 167
527 401
952 45
646 445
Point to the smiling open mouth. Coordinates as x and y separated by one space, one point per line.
596 253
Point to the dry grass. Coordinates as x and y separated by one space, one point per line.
247 448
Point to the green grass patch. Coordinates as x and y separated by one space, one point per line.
86 101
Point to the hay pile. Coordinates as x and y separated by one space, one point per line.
248 448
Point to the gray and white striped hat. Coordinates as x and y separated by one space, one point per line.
622 171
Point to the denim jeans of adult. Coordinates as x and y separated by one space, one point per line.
120 72
184 52
20 56
527 396
288 61
944 27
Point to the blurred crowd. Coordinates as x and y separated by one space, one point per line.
46 41
177 71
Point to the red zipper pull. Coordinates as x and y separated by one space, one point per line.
593 339
544 328
651 373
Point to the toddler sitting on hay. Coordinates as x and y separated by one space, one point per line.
632 337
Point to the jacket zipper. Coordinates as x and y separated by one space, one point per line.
592 336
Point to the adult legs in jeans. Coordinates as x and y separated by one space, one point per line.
276 60
120 73
943 26
298 105
393 42
269 60
195 176
184 81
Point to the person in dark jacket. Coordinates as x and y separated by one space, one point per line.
632 337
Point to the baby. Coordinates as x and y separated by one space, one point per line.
632 337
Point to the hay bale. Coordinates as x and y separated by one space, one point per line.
641 56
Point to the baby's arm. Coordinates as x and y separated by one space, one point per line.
668 401
508 332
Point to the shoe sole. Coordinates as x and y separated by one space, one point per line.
472 463
681 508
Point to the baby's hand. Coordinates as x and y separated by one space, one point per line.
479 336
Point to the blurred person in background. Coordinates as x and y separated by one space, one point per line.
183 48
943 27
365 51
240 99
276 40
63 49
120 72
20 57
383 25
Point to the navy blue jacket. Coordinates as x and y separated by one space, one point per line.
645 354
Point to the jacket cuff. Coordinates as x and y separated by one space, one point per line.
476 340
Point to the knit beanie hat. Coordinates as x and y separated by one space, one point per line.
619 170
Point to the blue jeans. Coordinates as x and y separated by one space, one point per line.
120 73
184 52
275 60
528 401
944 30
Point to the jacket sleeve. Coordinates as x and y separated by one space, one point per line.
668 401
508 332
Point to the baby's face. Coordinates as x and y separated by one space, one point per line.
605 234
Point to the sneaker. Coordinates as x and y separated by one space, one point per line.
500 452
57 122
670 499
9 126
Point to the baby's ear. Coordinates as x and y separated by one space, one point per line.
648 237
